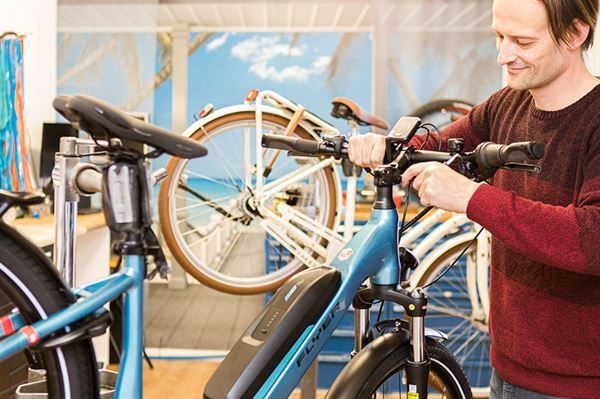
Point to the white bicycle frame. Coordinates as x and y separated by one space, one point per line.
296 232
284 228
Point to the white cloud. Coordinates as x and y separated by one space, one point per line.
216 43
260 50
265 72
264 48
321 63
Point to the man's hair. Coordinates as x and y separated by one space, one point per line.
561 14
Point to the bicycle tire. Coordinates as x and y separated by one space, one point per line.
442 112
446 376
33 287
449 310
172 232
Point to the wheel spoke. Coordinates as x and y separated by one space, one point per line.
223 157
205 203
233 185
216 185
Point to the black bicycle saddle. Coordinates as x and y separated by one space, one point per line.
103 120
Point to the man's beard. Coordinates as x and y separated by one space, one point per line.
535 81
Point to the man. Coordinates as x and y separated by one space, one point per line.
545 276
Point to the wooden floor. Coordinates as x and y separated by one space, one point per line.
183 379
197 317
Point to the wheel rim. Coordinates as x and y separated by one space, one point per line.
450 310
238 202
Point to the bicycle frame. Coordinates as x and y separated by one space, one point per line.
370 253
91 299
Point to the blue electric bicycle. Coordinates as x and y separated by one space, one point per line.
394 358
52 325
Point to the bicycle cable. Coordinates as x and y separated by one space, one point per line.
426 137
379 312
455 260
437 131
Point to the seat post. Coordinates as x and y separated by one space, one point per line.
67 165
350 191
66 202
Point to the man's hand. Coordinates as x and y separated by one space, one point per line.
440 186
367 150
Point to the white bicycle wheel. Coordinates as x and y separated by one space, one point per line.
450 310
216 224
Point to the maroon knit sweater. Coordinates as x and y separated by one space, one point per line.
545 279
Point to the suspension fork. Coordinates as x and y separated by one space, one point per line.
415 307
362 302
418 363
361 329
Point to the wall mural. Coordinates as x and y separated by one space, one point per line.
134 70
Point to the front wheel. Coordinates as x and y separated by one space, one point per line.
446 378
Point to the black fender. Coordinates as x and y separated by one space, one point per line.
350 381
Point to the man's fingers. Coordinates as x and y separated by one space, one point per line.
378 153
352 149
413 171
365 155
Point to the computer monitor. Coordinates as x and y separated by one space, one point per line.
51 134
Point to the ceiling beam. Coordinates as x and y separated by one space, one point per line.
194 14
313 17
362 15
484 16
410 16
290 14
217 11
435 15
338 15
460 15
169 13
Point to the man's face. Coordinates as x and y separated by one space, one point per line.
525 45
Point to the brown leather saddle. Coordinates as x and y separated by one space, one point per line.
347 109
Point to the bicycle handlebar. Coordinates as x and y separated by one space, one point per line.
486 158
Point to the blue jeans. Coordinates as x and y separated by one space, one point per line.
501 389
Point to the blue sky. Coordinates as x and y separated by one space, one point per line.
222 71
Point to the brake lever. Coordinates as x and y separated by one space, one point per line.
523 167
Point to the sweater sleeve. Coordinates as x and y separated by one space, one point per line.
566 237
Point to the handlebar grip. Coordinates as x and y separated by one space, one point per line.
518 152
490 155
290 143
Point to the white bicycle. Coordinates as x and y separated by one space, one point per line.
219 211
